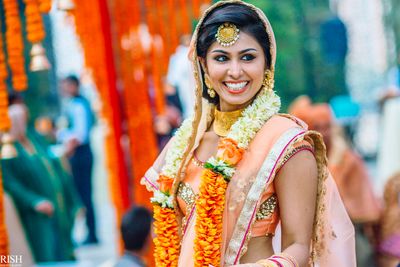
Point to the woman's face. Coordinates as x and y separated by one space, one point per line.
236 72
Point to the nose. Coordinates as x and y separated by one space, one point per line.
235 70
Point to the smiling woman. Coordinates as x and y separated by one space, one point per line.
236 72
238 168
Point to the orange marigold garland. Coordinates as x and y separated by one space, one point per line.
34 24
211 202
209 208
166 226
44 6
214 180
15 46
5 120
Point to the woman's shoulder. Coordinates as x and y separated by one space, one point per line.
290 121
278 125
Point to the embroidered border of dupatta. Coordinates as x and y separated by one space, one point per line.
240 235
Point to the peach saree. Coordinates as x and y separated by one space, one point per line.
333 233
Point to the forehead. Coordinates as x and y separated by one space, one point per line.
245 41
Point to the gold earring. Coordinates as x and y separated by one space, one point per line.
268 82
210 90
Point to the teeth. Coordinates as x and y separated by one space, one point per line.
236 86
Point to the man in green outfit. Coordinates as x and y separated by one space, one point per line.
42 191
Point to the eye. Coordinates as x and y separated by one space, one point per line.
221 58
248 57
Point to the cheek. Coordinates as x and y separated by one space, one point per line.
256 73
216 72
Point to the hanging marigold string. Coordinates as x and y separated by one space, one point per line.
173 33
15 45
92 27
34 24
5 125
155 54
44 6
185 21
162 27
135 84
196 8
5 120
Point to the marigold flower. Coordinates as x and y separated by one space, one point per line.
229 151
165 183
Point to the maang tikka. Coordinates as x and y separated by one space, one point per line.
227 34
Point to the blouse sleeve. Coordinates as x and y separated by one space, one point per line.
151 176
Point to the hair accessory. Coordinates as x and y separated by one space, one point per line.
227 34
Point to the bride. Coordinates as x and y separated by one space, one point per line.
237 169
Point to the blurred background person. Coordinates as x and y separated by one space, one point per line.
136 235
45 201
18 243
76 140
180 76
349 173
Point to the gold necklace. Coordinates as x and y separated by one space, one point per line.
223 121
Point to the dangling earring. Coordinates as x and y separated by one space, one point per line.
268 82
210 90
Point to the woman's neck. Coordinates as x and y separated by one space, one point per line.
223 121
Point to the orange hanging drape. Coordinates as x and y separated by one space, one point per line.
34 24
134 76
184 18
4 119
92 27
4 126
15 45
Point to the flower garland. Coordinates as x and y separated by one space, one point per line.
44 6
166 243
34 24
5 123
15 45
214 180
166 227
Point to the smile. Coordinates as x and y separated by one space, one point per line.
236 87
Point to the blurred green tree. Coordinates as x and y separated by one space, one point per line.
300 68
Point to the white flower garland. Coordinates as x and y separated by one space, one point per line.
242 131
165 201
254 117
174 155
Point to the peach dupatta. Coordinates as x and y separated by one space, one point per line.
333 238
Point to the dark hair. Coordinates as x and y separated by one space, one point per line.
246 19
72 79
14 98
135 228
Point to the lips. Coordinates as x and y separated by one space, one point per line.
236 87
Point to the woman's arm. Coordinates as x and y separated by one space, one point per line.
296 188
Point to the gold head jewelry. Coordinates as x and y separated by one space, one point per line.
268 82
227 34
223 121
210 90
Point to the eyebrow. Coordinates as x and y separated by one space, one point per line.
240 52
